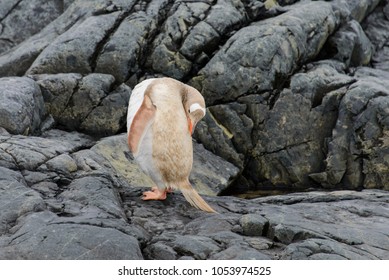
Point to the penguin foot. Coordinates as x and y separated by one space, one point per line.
154 194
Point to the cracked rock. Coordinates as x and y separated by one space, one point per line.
21 107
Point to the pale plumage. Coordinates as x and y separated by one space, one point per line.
162 114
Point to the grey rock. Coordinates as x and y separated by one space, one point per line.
123 55
199 247
314 249
17 61
210 174
253 225
22 19
239 253
217 139
76 205
160 251
21 105
344 224
72 51
188 44
109 116
248 63
358 146
43 236
91 104
16 199
375 28
351 45
28 153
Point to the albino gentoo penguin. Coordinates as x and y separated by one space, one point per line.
162 114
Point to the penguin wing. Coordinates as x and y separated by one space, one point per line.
141 122
140 115
136 100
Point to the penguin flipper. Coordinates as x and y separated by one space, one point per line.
143 119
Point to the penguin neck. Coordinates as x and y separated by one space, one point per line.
167 100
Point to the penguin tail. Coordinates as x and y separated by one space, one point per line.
192 196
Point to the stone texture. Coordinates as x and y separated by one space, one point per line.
21 107
72 201
91 103
21 19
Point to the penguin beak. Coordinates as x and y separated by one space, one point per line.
190 126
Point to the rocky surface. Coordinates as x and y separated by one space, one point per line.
63 197
297 96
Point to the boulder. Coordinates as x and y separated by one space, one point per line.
92 104
21 108
22 19
357 152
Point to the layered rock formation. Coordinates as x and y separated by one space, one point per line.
297 96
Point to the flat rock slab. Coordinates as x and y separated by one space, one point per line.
349 225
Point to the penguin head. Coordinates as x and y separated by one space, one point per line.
194 106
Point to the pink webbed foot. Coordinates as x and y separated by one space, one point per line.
154 194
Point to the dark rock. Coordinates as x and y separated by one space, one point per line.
375 27
239 253
43 236
259 57
341 220
21 19
196 37
21 105
123 55
16 199
73 203
28 153
17 61
359 138
350 45
253 225
104 107
217 139
72 51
